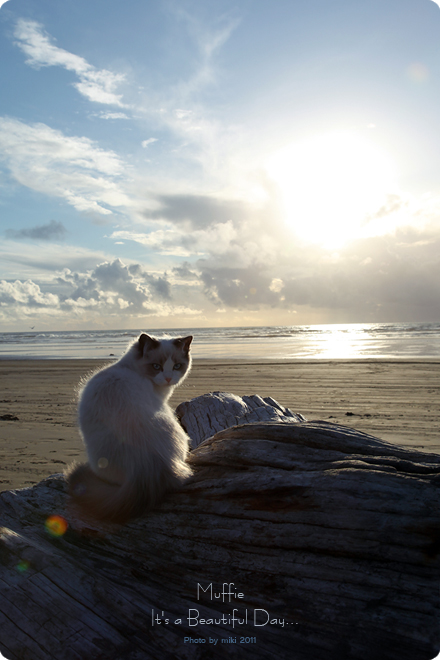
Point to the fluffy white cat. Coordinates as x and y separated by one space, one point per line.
135 446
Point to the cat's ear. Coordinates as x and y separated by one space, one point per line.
184 343
147 343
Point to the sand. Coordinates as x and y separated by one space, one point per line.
395 400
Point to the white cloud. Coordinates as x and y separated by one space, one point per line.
145 143
214 239
110 288
112 115
98 85
26 293
208 39
276 285
72 168
164 241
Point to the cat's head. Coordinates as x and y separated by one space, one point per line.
165 361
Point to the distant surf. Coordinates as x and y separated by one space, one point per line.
332 341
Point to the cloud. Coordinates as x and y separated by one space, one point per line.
377 279
381 278
112 115
227 232
162 241
97 85
209 38
52 231
243 256
108 284
224 232
26 294
393 203
111 284
196 211
178 106
185 272
239 287
110 289
145 143
213 239
20 260
159 285
72 168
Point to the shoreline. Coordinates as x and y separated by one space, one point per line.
390 398
233 360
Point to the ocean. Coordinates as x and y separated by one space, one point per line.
317 342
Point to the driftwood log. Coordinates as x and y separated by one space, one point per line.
294 540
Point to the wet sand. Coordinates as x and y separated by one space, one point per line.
398 401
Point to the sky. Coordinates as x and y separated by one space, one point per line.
204 163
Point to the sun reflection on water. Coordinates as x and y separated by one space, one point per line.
339 342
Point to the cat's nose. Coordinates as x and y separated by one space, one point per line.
168 380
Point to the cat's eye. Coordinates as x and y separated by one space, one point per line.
177 366
156 367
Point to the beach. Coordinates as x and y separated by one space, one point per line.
395 400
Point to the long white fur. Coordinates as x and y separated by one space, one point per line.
135 446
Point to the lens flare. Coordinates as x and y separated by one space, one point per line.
56 525
418 72
22 566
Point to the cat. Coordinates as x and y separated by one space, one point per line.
135 446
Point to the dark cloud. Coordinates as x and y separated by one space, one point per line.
185 272
239 287
51 232
84 286
159 285
399 293
198 211
380 278
115 277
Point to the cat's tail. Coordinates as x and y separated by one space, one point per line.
117 503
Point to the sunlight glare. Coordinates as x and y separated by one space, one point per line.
340 342
331 185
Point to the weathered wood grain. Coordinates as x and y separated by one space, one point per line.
205 415
333 533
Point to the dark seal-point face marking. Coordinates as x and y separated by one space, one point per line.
166 361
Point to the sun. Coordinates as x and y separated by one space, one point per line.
331 185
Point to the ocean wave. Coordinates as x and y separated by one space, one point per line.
349 340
